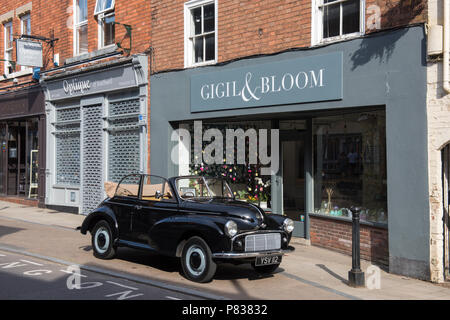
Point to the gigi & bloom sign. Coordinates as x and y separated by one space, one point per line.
308 79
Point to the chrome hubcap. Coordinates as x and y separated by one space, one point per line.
101 240
195 260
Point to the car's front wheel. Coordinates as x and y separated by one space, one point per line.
196 260
102 241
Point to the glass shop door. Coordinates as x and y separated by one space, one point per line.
293 172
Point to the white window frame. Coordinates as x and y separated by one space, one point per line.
23 20
76 26
7 50
317 23
101 30
188 46
113 3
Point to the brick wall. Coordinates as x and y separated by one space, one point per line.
337 235
248 28
55 17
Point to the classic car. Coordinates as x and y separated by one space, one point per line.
194 218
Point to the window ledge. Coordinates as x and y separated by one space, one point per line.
339 38
91 55
202 64
16 74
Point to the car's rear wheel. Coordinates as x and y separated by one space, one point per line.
196 260
266 269
102 241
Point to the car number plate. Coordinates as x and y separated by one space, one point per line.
263 261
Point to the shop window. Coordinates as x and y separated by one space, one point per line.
245 180
338 19
80 27
200 32
8 45
104 10
350 165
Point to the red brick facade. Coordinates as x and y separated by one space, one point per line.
337 235
247 28
55 17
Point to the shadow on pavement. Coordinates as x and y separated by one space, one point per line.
8 230
326 269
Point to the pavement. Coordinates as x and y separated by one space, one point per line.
309 273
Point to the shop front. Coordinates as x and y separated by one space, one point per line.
349 122
22 140
97 131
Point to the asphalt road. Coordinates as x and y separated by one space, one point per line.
25 277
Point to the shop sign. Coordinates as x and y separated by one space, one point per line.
29 53
91 83
309 79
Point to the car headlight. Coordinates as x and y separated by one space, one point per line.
231 228
288 225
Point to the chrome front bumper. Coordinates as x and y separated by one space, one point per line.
244 255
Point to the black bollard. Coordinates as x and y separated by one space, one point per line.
355 275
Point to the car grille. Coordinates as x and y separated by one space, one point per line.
261 242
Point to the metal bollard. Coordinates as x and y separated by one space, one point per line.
355 275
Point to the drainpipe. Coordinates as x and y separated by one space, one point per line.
446 83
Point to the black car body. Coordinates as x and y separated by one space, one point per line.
195 223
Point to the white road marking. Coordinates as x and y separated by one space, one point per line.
173 298
31 262
77 274
124 295
9 265
2 255
122 285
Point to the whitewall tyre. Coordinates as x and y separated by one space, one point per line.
102 241
197 262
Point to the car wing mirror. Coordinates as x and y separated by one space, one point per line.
158 194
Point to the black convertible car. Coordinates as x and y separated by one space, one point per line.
194 218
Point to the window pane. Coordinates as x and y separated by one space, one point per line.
103 5
351 16
198 49
331 21
156 189
129 187
108 4
210 47
208 23
9 36
197 19
81 10
109 29
26 25
8 56
350 165
82 39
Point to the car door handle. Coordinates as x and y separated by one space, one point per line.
137 207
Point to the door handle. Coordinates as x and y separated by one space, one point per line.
137 207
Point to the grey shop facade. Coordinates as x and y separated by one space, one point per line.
96 130
351 120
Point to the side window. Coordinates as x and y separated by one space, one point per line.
157 189
129 187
